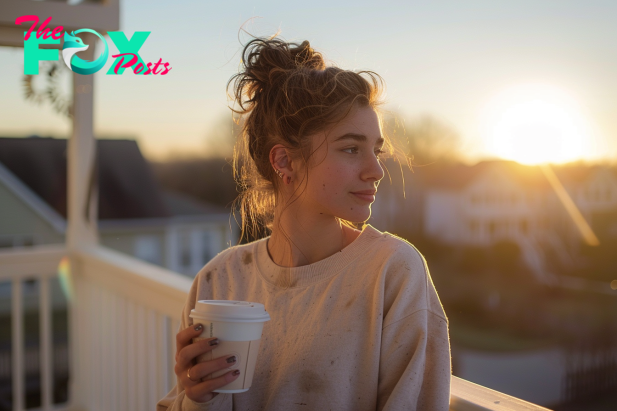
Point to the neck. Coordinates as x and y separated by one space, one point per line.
297 242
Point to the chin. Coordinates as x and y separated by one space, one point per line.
358 214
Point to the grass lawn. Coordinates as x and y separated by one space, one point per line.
493 339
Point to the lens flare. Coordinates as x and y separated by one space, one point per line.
64 276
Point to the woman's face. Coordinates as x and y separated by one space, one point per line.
346 164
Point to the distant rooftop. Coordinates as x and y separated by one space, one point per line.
127 187
457 176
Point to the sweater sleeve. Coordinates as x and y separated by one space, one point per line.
176 400
414 370
415 364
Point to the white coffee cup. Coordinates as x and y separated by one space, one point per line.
238 326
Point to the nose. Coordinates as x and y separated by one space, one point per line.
372 170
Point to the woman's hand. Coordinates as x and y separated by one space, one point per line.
194 388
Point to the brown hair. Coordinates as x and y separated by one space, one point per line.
292 94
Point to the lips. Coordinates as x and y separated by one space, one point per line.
366 195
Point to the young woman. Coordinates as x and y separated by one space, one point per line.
356 323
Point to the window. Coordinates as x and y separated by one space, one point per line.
148 248
211 240
206 246
184 248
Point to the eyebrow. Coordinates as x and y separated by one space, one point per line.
357 137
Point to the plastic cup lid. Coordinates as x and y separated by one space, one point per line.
230 310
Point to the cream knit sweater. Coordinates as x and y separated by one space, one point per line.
361 330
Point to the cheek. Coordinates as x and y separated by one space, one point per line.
333 183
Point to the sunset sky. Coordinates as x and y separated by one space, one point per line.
488 69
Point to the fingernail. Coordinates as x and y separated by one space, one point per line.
214 342
235 372
198 327
231 359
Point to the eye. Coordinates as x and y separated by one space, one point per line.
351 148
378 152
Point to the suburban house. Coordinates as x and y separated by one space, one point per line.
135 216
484 203
594 191
497 200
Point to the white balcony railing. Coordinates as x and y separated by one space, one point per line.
123 317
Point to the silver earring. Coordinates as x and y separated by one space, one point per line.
280 174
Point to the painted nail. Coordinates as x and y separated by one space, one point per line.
231 359
198 327
214 342
237 372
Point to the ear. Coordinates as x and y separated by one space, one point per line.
280 159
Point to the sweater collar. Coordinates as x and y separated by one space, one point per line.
293 277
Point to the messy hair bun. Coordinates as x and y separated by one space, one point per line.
269 63
286 93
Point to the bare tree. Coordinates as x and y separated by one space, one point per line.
207 175
425 139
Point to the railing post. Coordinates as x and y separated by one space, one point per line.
46 341
17 334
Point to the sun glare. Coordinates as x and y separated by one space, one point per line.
536 123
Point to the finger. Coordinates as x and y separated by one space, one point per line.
201 389
185 357
205 368
185 337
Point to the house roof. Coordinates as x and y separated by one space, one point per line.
127 188
457 176
579 173
35 202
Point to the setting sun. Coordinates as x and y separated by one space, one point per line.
536 123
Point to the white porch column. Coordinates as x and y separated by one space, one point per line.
82 212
